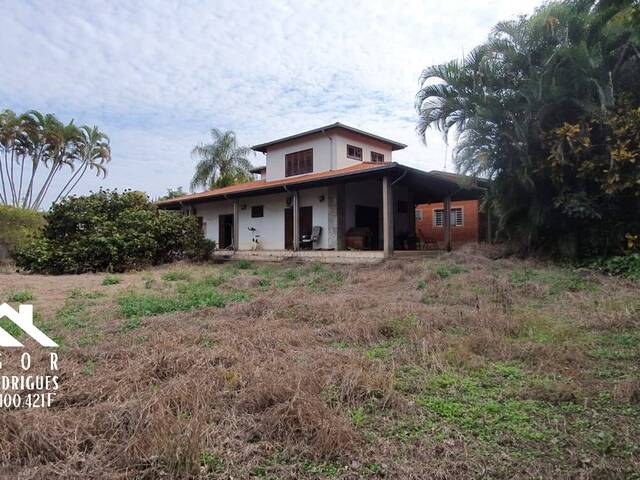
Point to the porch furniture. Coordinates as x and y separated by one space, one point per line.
359 238
307 241
427 243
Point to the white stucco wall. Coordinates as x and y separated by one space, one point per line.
320 144
270 227
341 143
329 153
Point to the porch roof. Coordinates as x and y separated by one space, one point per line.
427 187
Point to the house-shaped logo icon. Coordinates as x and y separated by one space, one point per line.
23 318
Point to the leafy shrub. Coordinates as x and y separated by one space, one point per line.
108 231
625 265
17 225
202 250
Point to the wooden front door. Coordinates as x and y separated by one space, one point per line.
306 224
225 231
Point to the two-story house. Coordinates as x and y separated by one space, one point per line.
330 188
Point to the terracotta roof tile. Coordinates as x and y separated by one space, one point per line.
264 184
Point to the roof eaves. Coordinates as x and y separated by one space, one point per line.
262 147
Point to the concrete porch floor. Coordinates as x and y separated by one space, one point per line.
323 256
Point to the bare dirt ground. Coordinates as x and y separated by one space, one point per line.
447 368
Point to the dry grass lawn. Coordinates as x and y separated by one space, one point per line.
447 368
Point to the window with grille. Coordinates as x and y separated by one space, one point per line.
297 163
257 211
377 157
419 215
457 217
354 153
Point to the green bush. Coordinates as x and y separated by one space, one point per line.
108 231
18 225
624 265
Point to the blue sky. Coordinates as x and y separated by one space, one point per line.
157 75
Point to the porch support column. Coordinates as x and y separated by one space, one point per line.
489 232
296 221
236 225
341 244
387 216
447 223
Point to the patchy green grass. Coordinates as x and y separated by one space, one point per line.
21 296
485 405
111 280
620 345
499 370
73 315
448 270
78 293
556 280
186 296
244 264
175 275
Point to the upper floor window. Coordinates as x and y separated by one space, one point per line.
456 217
354 152
297 163
377 157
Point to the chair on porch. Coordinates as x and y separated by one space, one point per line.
426 242
307 241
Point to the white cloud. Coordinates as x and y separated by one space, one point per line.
157 75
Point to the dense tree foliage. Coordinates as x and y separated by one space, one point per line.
34 150
221 162
18 225
110 231
549 108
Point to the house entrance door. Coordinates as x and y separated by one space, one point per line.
225 231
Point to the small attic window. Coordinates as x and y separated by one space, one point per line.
354 153
377 157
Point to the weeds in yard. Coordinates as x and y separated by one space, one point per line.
446 271
187 296
175 275
483 403
130 324
212 464
111 280
73 316
557 281
78 293
332 372
21 297
244 264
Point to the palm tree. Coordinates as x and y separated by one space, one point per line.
221 162
60 141
91 150
560 65
34 143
